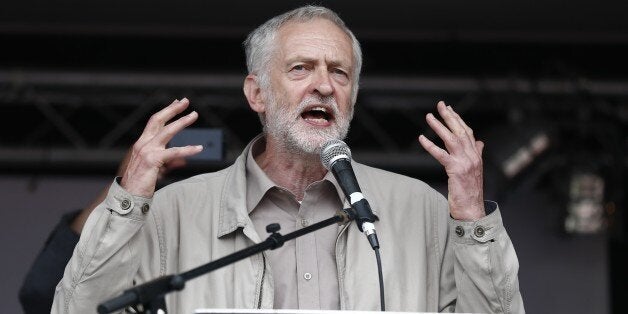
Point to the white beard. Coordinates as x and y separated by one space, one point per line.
285 126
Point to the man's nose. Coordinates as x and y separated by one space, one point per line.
322 82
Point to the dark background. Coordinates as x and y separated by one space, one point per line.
79 79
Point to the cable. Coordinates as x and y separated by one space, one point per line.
381 280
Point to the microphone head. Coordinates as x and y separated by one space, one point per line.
334 150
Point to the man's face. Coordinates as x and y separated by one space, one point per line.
311 76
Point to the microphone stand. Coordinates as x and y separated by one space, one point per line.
148 298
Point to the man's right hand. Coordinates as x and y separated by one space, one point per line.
149 153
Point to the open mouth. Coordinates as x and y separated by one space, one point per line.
318 115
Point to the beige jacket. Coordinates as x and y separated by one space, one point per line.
430 261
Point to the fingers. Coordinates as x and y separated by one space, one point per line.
149 153
455 134
443 132
438 153
468 130
181 152
159 119
457 126
169 131
450 119
166 114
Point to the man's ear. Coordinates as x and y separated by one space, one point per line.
253 93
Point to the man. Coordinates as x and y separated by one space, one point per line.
304 66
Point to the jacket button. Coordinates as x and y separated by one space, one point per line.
125 204
304 222
459 231
145 208
307 276
479 231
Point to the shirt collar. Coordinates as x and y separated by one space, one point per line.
258 183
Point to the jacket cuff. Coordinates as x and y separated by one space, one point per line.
479 231
122 202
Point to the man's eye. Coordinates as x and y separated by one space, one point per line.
299 67
340 72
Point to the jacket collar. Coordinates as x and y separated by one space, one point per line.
234 213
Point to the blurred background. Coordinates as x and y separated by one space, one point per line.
544 84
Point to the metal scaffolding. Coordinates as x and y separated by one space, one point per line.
87 120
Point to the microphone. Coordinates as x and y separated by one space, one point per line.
336 157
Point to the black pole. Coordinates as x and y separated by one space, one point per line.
147 295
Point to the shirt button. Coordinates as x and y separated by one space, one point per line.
145 208
459 231
479 231
307 276
304 222
125 204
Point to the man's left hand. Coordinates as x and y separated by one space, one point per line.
462 160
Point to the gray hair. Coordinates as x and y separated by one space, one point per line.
259 46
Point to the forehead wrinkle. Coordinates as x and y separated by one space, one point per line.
312 42
329 62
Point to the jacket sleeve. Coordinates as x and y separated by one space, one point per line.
108 255
485 266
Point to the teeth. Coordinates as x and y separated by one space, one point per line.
323 109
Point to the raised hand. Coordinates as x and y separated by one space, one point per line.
149 154
462 160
